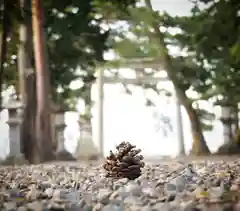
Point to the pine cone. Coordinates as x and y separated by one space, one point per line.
125 162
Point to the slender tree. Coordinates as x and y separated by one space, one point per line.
43 118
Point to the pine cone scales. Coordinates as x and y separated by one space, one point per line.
125 162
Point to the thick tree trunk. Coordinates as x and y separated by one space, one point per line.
28 136
27 83
199 146
43 116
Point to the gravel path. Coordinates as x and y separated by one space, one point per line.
165 185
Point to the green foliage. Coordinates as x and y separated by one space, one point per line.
140 41
213 35
136 49
75 42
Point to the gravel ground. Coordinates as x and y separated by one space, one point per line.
184 184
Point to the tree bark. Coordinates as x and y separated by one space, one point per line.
27 83
29 147
199 145
43 116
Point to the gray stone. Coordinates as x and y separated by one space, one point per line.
15 193
103 196
87 207
49 192
150 191
73 196
161 206
134 188
45 185
98 207
60 195
115 202
132 200
82 203
176 185
36 206
170 188
146 208
56 206
74 207
33 194
121 192
22 208
112 207
10 206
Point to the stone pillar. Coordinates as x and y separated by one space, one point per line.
180 132
227 124
53 128
60 126
100 111
14 122
86 148
61 152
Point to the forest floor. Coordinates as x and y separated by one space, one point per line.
207 184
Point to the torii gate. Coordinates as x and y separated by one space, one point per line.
132 64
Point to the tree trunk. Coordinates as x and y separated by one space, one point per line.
28 136
199 144
27 83
43 116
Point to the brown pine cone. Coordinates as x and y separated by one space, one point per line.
126 162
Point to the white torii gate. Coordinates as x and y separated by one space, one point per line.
132 64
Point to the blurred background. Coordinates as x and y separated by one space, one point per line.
189 45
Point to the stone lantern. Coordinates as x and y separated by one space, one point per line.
86 148
227 120
14 121
59 120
